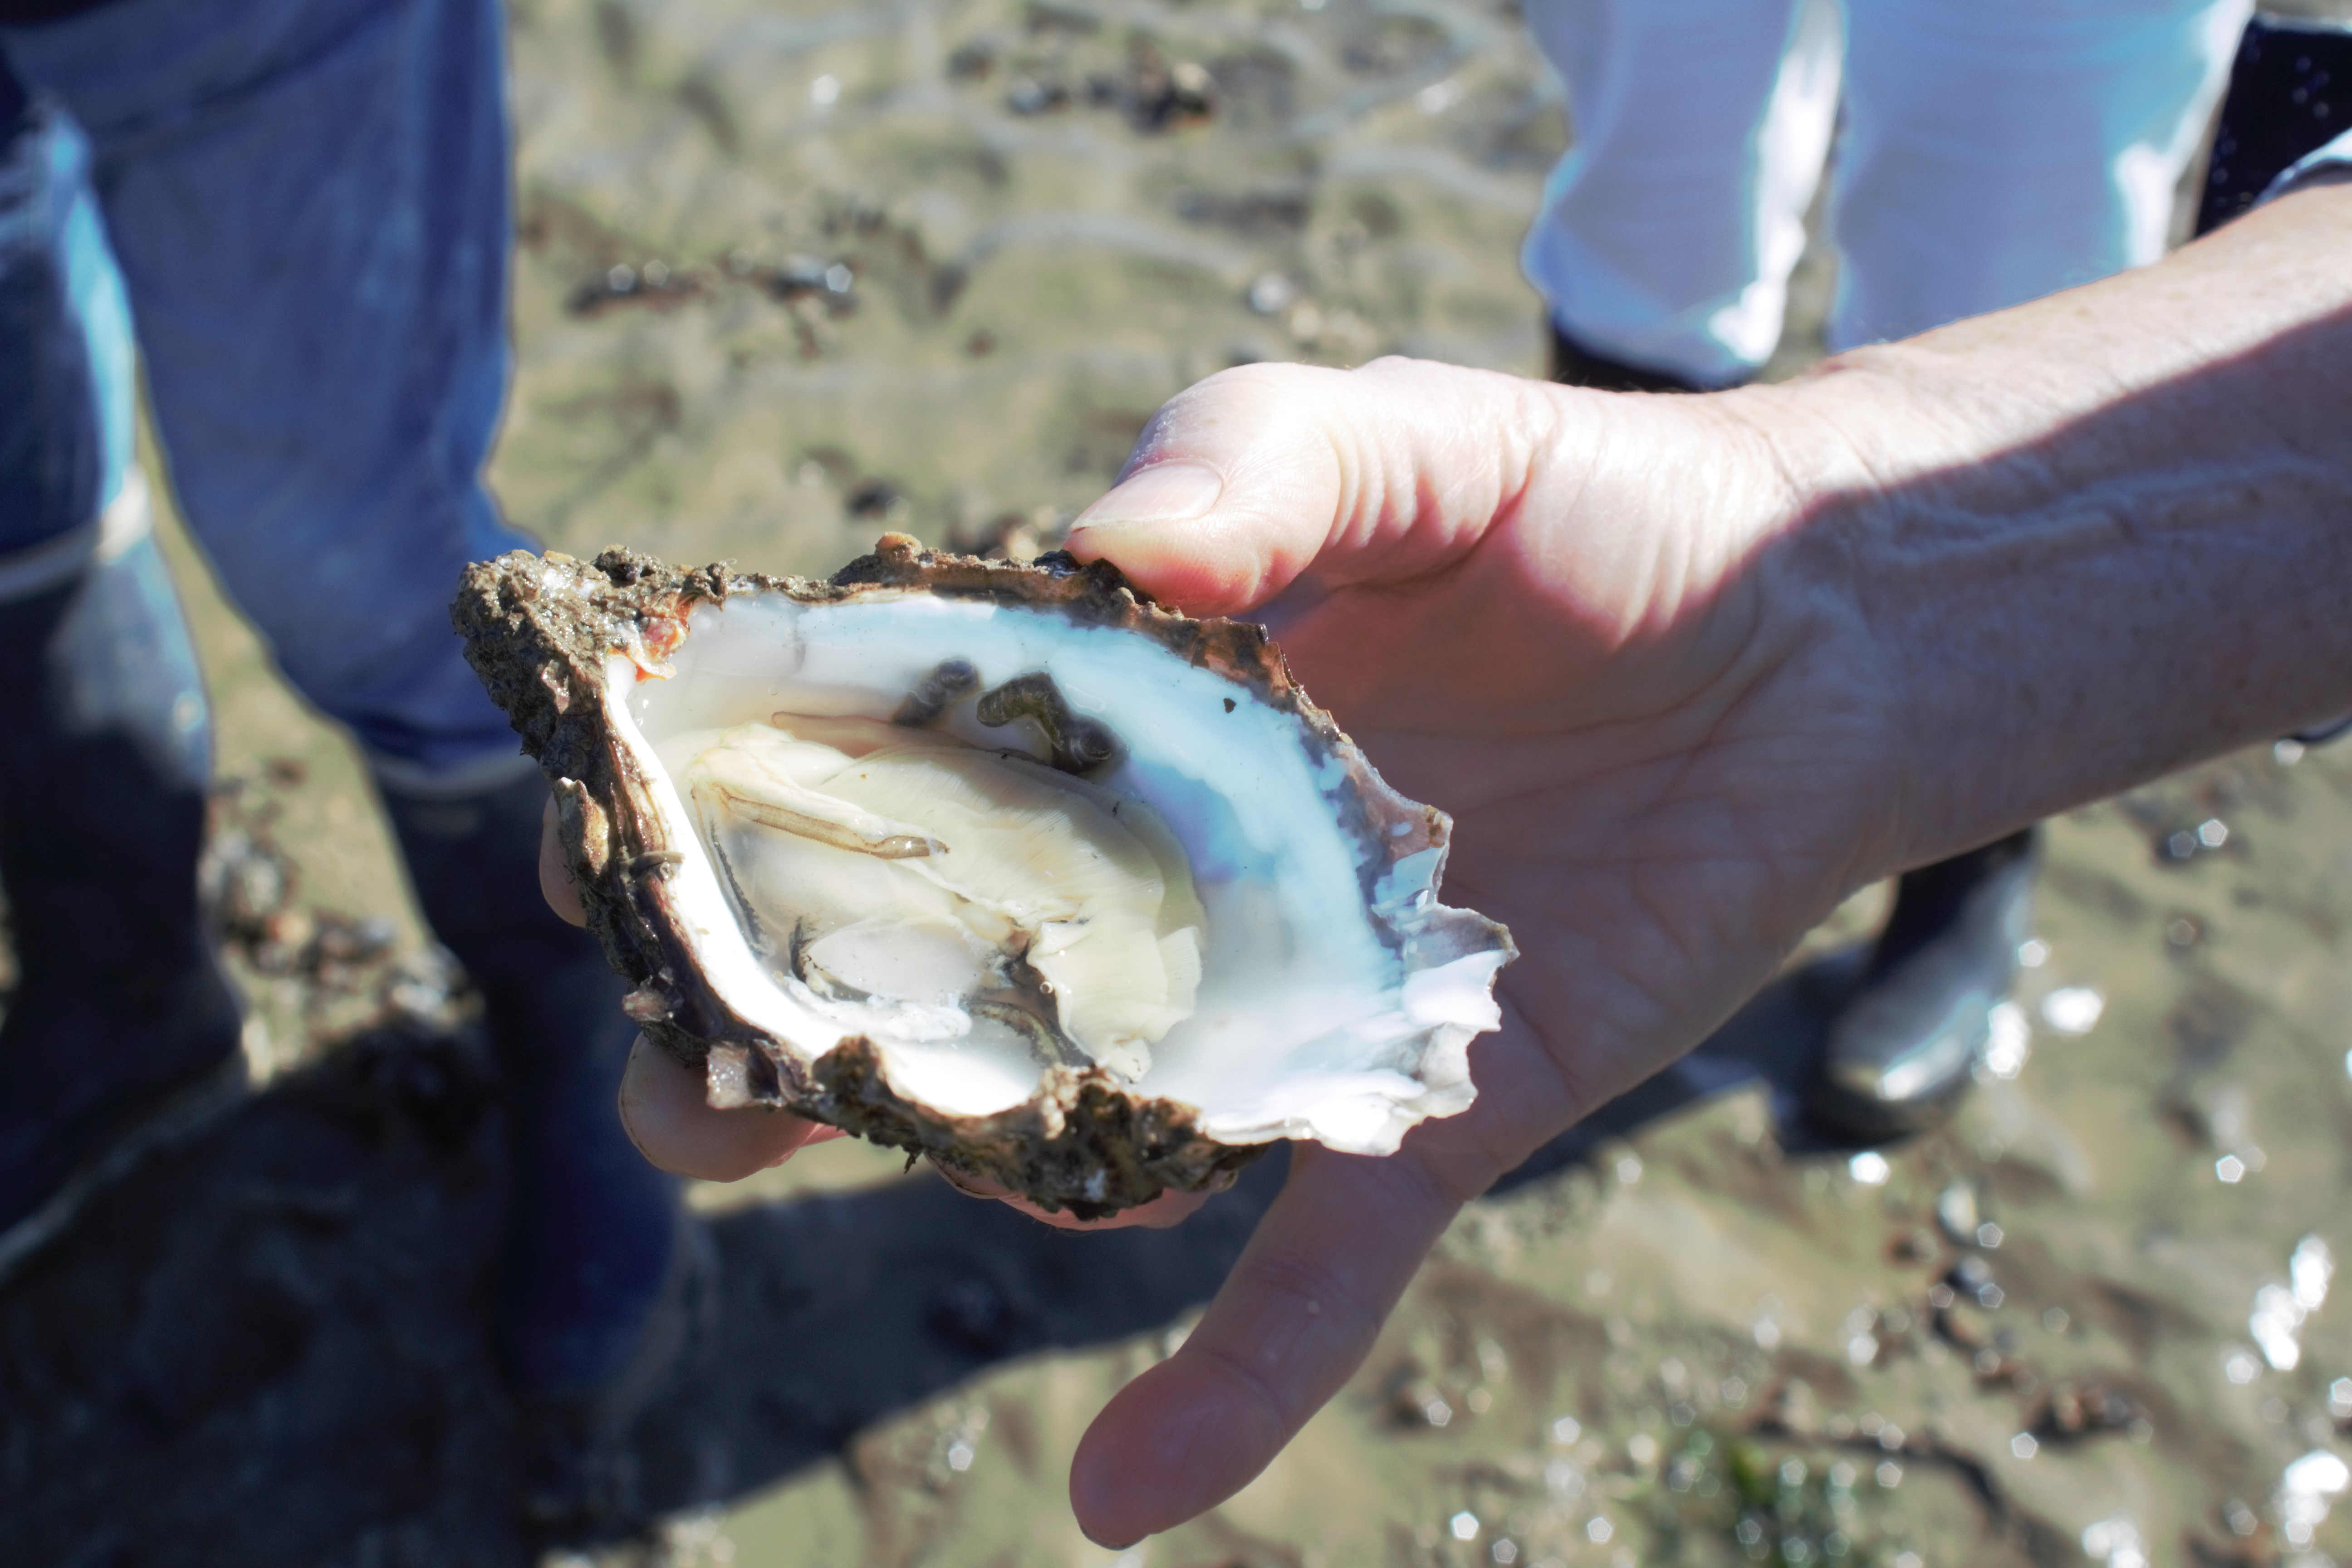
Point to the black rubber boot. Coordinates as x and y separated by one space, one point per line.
598 1250
122 1022
2290 95
121 1012
1573 365
1911 1027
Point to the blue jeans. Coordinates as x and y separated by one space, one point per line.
303 207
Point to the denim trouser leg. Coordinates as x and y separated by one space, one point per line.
308 201
1668 233
66 397
1997 151
118 1008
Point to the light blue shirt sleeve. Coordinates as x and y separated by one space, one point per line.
2336 155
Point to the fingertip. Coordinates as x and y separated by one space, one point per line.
1159 494
1170 1445
665 1115
1214 566
1163 560
1231 490
1100 1489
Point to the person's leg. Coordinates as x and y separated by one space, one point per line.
309 198
1909 1026
120 1008
591 1296
1996 150
1669 230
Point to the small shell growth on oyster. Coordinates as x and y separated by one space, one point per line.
1000 863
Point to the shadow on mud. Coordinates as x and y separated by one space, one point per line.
1773 1042
267 1344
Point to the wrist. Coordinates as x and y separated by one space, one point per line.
2088 542
1815 449
1861 441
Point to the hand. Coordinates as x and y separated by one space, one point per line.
1688 669
1567 618
1557 616
1634 645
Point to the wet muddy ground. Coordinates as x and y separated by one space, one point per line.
791 273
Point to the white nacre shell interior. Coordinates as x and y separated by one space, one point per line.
1311 1018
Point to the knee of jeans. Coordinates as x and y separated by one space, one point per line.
396 676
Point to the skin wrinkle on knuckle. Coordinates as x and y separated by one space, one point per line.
1501 1149
1465 1156
1843 617
1289 1271
1316 1318
1535 436
1582 1100
1490 451
1505 1145
1418 1190
1278 1419
1817 616
1341 429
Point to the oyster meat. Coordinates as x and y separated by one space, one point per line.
1001 864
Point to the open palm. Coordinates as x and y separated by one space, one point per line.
1584 625
1597 632
1632 644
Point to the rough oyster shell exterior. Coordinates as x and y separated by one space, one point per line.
541 631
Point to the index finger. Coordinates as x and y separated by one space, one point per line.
1295 1318
674 1126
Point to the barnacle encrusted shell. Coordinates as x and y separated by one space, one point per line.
1294 975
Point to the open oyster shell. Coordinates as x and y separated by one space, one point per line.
1001 864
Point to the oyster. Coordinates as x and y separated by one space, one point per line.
1001 864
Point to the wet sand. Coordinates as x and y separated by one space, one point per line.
790 275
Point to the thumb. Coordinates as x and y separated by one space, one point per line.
1244 481
1231 492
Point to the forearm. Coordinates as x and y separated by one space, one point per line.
2097 537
